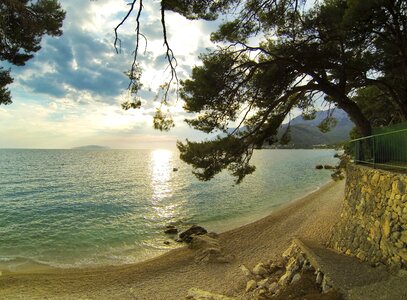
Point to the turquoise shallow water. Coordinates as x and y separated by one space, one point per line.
76 208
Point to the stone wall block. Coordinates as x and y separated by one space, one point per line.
373 225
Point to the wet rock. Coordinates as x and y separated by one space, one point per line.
171 231
319 167
167 243
186 236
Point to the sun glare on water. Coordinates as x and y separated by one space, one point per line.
161 172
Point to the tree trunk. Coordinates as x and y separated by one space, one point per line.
356 116
351 108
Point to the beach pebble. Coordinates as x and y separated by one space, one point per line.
285 279
245 270
292 265
251 285
289 252
273 287
319 278
296 278
186 236
260 269
264 283
326 286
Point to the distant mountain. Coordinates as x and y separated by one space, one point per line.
91 147
306 134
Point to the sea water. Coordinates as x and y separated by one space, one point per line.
82 208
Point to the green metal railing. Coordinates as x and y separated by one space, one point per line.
386 149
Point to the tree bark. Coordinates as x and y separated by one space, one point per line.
351 108
356 116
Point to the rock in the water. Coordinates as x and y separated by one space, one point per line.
171 231
167 242
251 285
260 269
319 167
197 230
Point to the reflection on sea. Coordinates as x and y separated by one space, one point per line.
161 172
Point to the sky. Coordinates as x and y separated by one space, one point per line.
70 93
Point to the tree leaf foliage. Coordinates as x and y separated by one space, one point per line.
336 50
23 23
332 49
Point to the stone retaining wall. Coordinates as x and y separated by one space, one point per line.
373 225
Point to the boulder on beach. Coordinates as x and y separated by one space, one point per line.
194 229
171 231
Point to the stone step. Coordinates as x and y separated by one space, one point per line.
351 277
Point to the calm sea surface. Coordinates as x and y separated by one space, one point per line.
76 208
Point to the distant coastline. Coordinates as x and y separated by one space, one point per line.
91 147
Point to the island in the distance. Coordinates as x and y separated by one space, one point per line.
91 147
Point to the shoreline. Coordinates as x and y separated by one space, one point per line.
170 275
251 218
28 266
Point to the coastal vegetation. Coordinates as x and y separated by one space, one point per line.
22 26
350 54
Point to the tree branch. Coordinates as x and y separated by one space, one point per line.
172 61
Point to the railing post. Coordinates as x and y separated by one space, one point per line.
374 152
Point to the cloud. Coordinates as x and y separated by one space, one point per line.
70 92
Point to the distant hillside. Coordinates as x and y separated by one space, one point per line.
91 147
306 134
